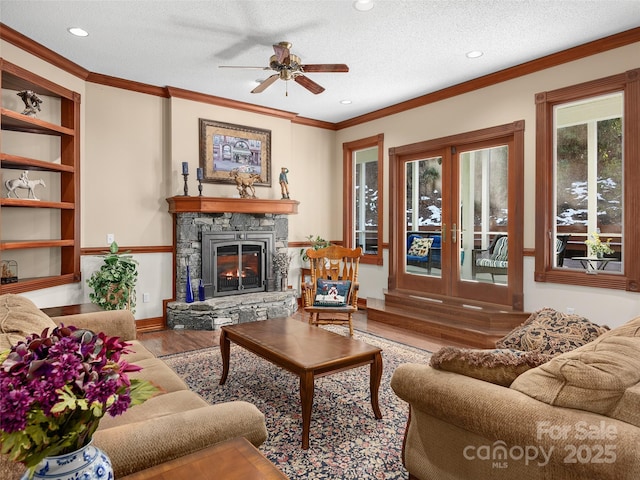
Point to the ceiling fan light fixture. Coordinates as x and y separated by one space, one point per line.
363 5
78 32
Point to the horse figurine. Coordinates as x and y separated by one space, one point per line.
31 102
244 182
25 183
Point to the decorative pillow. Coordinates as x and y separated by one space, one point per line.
420 247
552 332
20 317
500 366
594 377
332 293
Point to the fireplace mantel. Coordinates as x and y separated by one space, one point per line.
184 204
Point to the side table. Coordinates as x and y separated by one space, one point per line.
235 459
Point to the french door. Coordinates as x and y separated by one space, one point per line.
456 216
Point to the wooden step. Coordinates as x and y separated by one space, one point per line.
459 322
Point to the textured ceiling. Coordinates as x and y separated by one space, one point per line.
400 49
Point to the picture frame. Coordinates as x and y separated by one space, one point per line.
225 147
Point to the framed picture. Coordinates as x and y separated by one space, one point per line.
225 148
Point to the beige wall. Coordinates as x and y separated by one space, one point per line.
133 145
499 104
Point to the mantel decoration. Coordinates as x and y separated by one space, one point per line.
115 282
225 147
597 247
24 183
54 389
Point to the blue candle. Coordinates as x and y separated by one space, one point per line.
199 173
185 168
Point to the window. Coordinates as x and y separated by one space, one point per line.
363 196
587 175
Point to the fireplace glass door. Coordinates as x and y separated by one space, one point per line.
239 267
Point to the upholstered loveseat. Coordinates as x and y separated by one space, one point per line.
574 416
169 425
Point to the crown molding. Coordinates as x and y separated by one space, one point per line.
14 37
565 56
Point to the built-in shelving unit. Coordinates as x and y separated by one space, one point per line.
65 250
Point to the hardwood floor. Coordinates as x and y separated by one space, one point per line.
167 342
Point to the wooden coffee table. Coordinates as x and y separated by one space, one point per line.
235 459
306 351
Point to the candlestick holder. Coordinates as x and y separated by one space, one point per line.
200 186
186 187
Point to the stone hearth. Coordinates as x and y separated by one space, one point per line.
217 312
195 215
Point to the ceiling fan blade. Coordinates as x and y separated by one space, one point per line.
282 52
263 86
325 67
234 66
309 84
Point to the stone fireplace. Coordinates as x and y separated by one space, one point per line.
229 245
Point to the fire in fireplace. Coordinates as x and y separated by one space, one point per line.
236 262
239 266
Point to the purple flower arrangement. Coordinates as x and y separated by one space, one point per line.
55 388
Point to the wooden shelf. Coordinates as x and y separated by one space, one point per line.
65 162
17 122
182 204
24 244
20 163
37 283
30 203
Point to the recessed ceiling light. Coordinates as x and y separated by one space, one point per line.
363 5
474 54
345 102
78 32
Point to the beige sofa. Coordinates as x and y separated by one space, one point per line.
577 416
170 425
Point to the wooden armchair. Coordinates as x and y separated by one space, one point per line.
332 295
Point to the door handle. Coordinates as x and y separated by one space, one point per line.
444 233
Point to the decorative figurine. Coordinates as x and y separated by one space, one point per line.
244 183
8 271
284 183
31 102
23 182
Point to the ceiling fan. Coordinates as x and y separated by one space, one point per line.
289 66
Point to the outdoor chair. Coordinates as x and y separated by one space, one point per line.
424 252
332 295
493 260
561 248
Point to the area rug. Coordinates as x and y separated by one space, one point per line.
346 441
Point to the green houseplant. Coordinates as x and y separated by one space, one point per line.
317 243
114 283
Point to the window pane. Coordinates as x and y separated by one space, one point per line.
588 172
366 200
424 214
484 185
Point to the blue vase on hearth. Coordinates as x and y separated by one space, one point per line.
201 291
189 294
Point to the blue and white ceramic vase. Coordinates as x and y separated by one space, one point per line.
87 463
189 295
